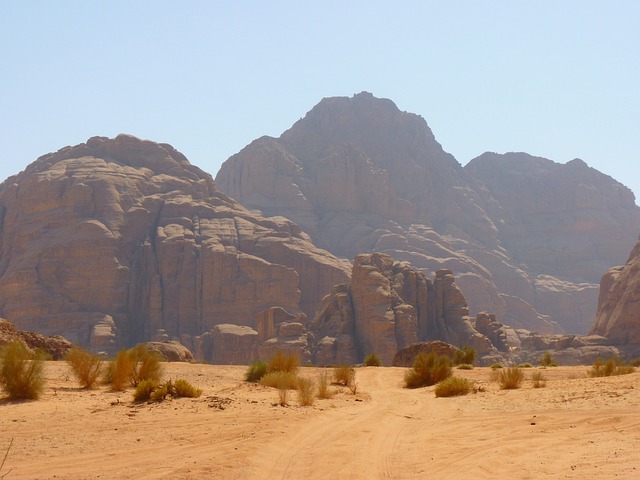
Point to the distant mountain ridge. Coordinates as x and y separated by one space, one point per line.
526 237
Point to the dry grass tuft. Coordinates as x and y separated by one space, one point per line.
344 375
256 371
21 372
286 380
511 378
538 380
182 388
283 363
427 370
610 367
85 366
547 360
144 389
324 391
306 390
453 386
133 366
372 360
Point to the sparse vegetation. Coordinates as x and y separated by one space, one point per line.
465 366
538 380
131 367
256 371
279 380
283 363
496 366
182 388
344 375
511 378
465 355
119 371
86 367
156 392
144 389
428 369
306 390
525 365
547 360
372 360
21 372
323 386
610 367
453 386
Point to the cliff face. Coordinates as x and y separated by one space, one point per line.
619 303
109 241
358 175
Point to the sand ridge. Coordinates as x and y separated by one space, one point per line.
576 427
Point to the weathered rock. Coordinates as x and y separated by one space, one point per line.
406 356
171 351
228 344
527 237
110 241
55 346
487 325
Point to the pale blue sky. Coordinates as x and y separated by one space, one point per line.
558 79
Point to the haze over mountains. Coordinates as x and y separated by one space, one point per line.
527 238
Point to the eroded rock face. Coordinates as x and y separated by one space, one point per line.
388 306
55 346
618 316
110 241
526 237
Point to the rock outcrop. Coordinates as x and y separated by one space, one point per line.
388 306
618 316
56 346
527 237
111 241
406 356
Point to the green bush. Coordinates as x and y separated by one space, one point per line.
427 370
182 388
85 366
372 360
256 371
21 372
283 363
511 378
610 367
306 388
465 355
465 366
144 389
453 386
547 360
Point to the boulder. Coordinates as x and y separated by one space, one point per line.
171 351
55 346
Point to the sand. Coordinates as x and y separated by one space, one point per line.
576 427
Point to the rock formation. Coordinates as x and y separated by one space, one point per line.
388 306
111 241
526 237
56 346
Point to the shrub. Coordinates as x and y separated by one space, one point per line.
146 365
547 360
21 372
283 363
344 375
496 366
182 388
372 360
159 393
306 389
86 366
511 378
538 380
120 370
635 362
144 389
427 370
286 380
525 365
452 386
465 355
256 371
612 366
283 393
464 366
323 386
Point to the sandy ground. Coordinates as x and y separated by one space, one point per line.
576 427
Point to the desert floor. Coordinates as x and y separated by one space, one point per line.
576 427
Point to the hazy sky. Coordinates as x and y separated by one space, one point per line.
558 79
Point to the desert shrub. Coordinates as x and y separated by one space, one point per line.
283 363
323 386
120 370
428 369
465 355
635 362
465 366
496 366
182 388
538 380
525 365
306 390
612 366
159 393
146 365
21 372
144 389
86 367
256 371
511 378
283 394
372 360
284 380
344 375
547 360
453 386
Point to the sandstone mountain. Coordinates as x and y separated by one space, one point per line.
112 241
526 237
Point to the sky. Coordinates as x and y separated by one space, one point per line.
556 79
